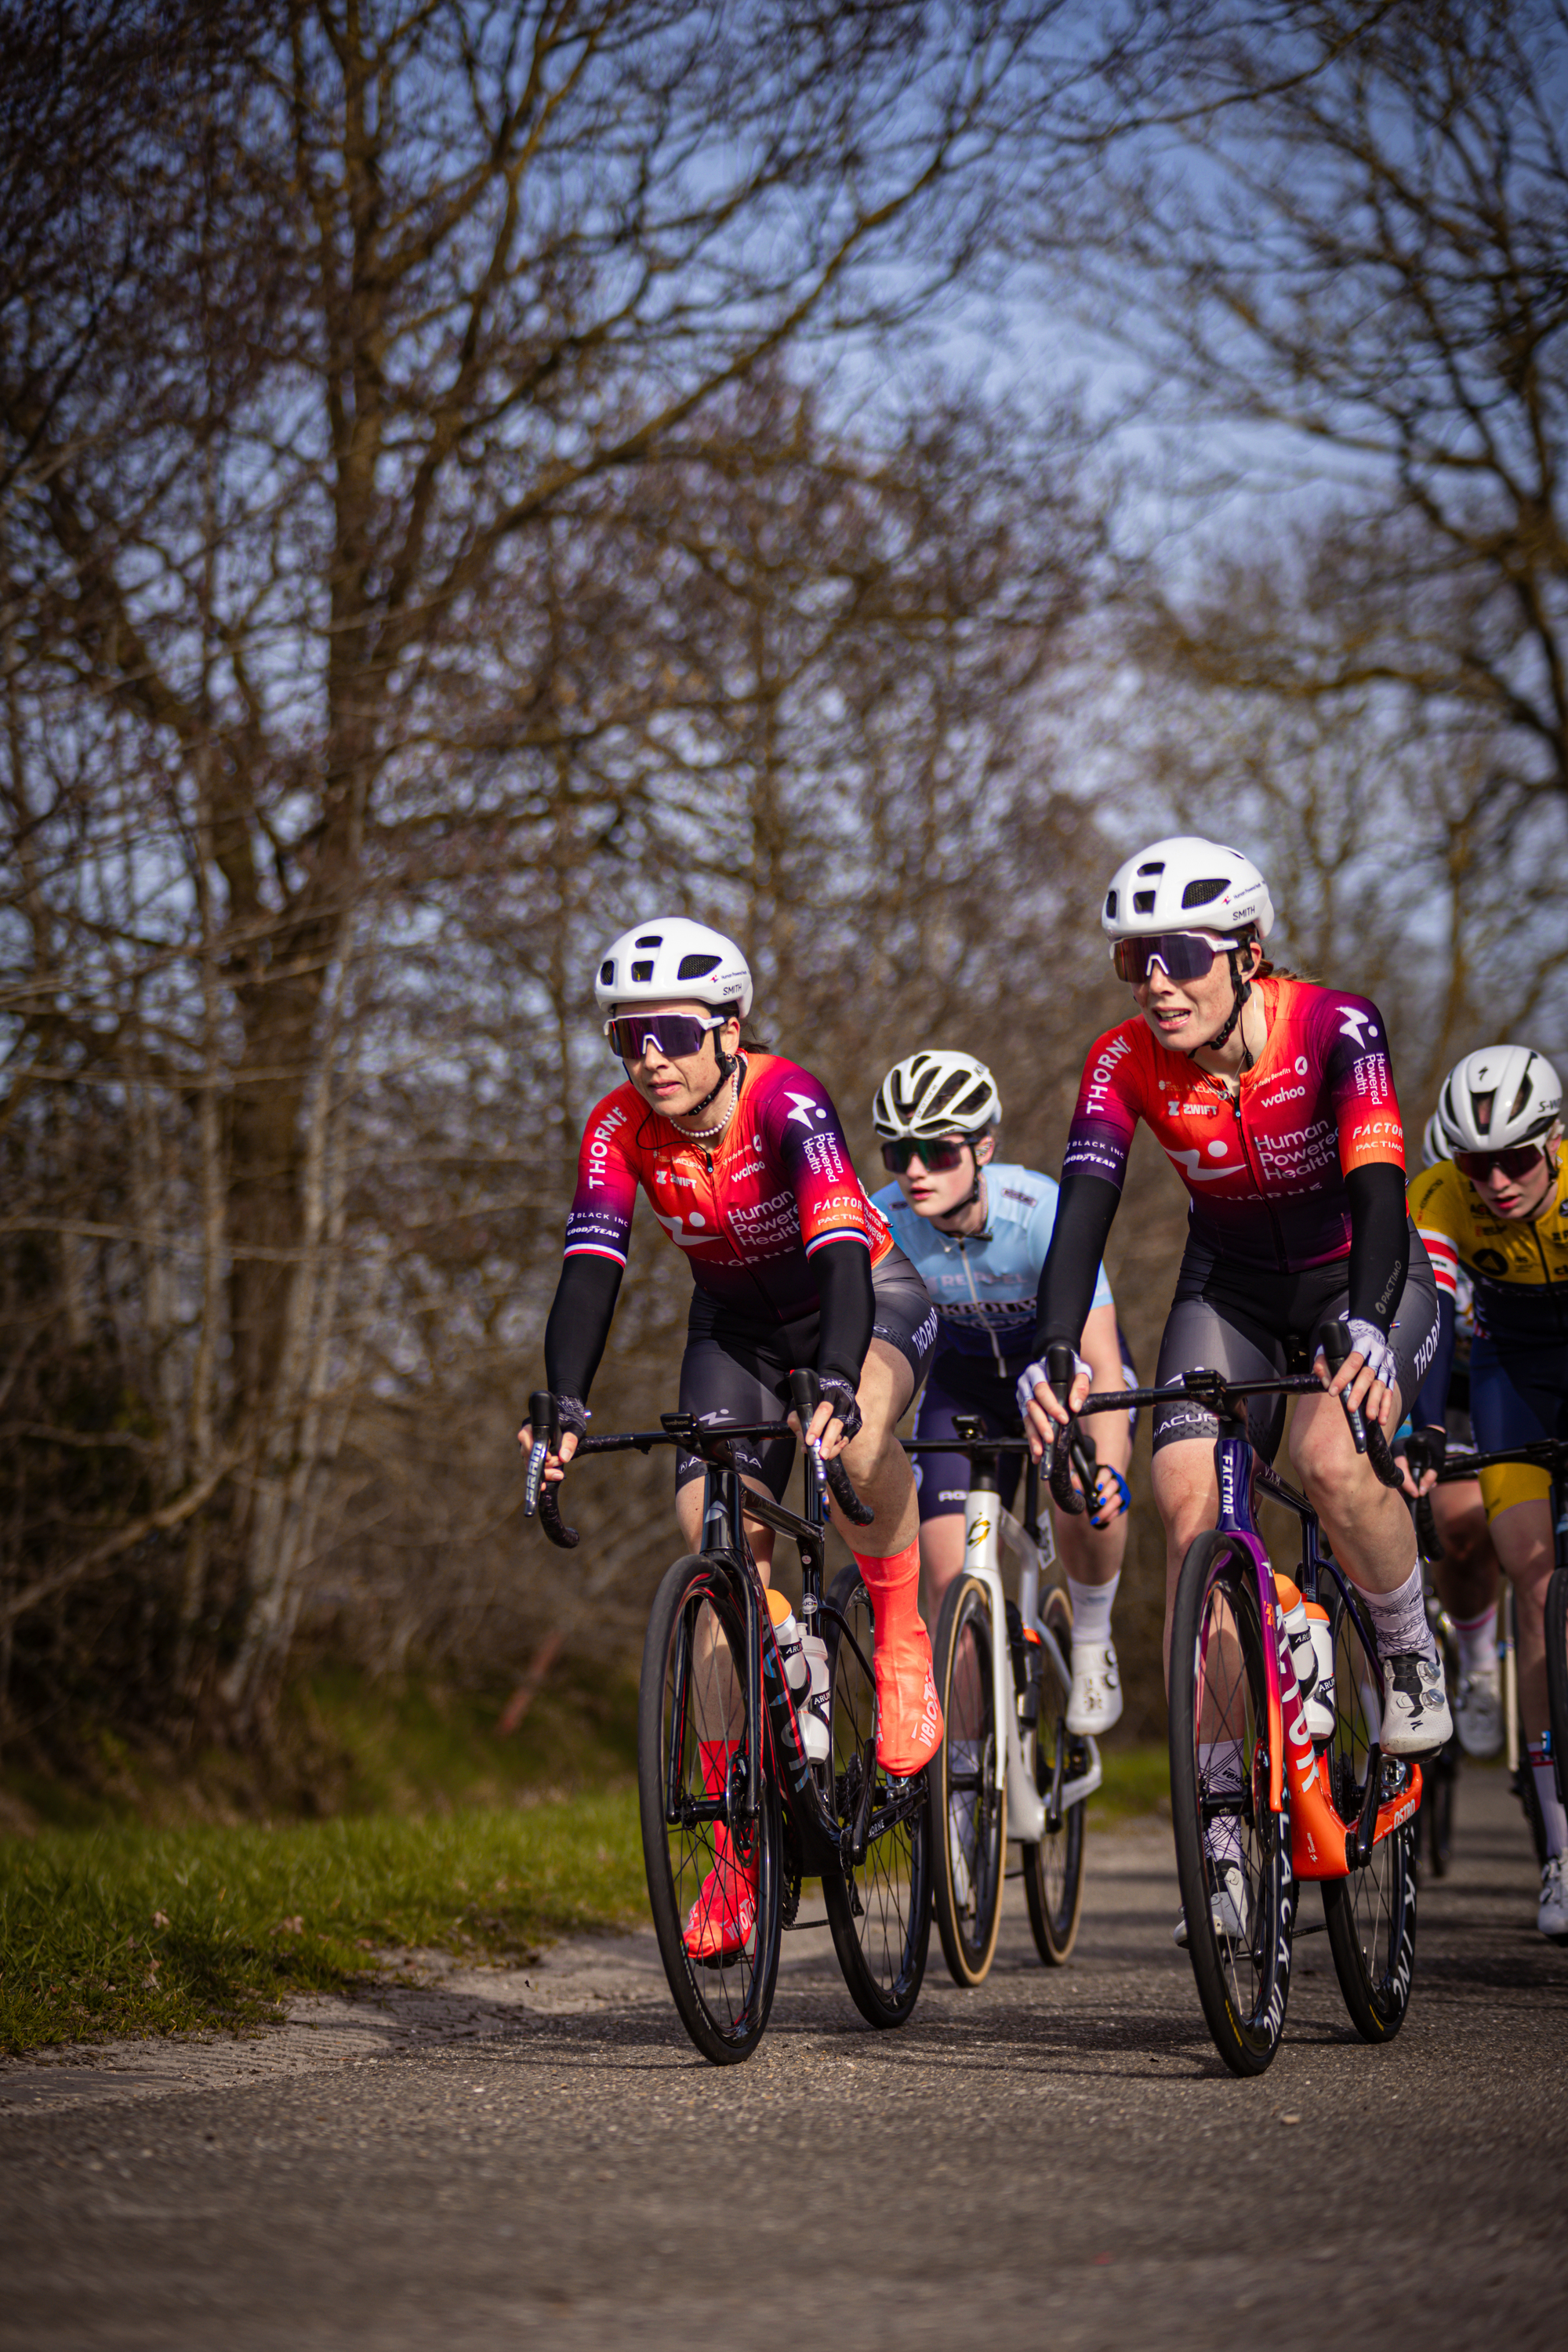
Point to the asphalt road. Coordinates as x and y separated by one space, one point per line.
1056 2160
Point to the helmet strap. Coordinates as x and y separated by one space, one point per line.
727 1065
1243 990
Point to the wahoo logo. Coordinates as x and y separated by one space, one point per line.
805 1110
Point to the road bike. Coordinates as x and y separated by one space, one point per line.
1293 1807
1549 1455
1009 1768
1441 1773
724 1781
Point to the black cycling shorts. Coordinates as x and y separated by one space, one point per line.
738 1371
1250 1324
968 1384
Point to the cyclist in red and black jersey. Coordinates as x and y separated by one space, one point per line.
744 1164
1275 1102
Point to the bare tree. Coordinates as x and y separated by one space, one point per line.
318 394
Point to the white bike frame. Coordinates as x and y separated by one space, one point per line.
986 1526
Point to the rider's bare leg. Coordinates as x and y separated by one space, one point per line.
1522 1538
1368 1524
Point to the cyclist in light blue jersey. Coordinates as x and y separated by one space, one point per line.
978 1229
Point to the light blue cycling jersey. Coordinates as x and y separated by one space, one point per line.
983 1284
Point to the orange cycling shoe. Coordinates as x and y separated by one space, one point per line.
723 1918
908 1714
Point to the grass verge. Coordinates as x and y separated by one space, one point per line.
1136 1786
123 1929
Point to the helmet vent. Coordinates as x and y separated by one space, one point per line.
1142 902
1481 1112
1155 866
1521 1098
643 971
696 967
1203 893
1110 906
651 939
607 972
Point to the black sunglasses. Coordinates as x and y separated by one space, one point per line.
939 1156
673 1034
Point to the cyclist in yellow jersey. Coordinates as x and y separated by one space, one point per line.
1499 1212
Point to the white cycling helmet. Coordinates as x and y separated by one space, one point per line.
1503 1095
1186 884
672 957
1434 1143
935 1094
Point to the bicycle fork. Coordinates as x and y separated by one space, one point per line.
1029 1814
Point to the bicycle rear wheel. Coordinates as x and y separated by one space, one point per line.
969 1810
878 1908
692 1697
1557 1666
1053 1870
1220 1808
1370 1914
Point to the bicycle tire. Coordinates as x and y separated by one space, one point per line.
1053 1870
969 1815
692 1670
878 1911
1556 1613
1369 1914
1525 1787
1437 1815
1243 1989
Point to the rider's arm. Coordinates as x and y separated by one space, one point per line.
1093 1166
848 1304
598 1231
1084 1210
1379 1242
578 1323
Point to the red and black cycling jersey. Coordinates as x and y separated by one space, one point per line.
1267 1168
750 1215
1302 1165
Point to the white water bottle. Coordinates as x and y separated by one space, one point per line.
789 1637
813 1714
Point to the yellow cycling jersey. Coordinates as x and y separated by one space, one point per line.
1519 1270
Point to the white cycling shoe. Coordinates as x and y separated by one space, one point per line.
1478 1713
1415 1716
1552 1916
1094 1703
1228 1907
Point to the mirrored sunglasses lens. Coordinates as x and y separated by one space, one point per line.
896 1157
1479 1166
673 1034
942 1156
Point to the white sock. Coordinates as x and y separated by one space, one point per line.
1551 1812
1477 1643
1091 1608
1220 1769
1399 1618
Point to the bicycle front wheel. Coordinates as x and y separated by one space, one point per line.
1053 1870
879 1907
1370 1914
968 1798
1233 1852
1557 1663
713 1857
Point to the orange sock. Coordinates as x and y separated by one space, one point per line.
893 1583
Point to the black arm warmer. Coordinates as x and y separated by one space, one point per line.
1432 1397
843 1273
579 1323
1084 1209
1379 1242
